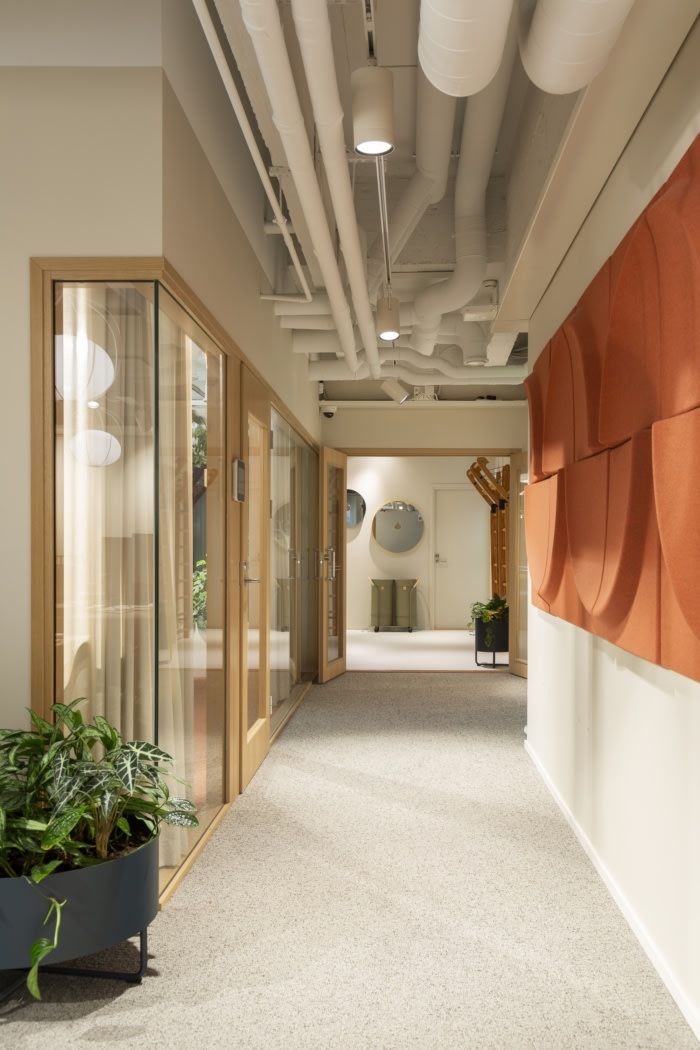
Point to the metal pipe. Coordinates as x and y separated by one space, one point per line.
222 65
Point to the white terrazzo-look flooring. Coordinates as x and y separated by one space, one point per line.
370 650
396 877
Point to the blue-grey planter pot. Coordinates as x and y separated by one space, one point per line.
105 904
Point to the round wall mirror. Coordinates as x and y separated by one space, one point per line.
355 509
398 527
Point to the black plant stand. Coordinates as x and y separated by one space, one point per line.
129 976
499 641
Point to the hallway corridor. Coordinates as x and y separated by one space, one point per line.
396 876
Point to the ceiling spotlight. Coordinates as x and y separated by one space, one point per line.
373 110
388 318
396 392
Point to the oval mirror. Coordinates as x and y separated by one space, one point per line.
398 526
355 508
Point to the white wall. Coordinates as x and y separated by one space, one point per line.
69 187
492 425
619 738
379 479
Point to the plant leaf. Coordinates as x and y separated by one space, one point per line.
43 947
182 804
60 826
126 766
181 820
144 750
40 871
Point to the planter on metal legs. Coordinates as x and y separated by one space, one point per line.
491 637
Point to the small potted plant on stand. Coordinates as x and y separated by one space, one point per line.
80 812
490 621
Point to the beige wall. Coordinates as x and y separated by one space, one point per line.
618 738
475 425
414 479
204 241
70 186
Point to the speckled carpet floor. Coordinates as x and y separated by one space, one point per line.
396 876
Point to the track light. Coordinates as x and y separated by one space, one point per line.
396 392
388 318
373 110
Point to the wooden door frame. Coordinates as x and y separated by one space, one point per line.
327 670
515 455
44 272
255 742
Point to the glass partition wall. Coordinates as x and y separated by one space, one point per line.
140 528
293 563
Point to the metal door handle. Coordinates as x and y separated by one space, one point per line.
247 578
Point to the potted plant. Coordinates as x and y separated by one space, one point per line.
80 812
490 621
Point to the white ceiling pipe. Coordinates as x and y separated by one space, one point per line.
319 305
262 21
281 223
460 43
500 346
314 322
314 343
438 371
316 44
567 42
482 123
435 117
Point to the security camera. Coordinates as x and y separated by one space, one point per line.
329 410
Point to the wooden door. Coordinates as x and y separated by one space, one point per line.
332 563
255 577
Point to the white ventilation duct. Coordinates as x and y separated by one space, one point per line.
314 34
262 21
482 123
435 117
403 363
567 42
460 43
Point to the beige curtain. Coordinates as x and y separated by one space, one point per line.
105 571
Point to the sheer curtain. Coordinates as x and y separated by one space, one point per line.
104 502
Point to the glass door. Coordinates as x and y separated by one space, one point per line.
332 563
255 613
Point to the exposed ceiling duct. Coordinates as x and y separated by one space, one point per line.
460 43
403 363
482 123
314 35
261 18
568 42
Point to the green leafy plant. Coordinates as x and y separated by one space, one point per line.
488 612
199 443
199 594
74 794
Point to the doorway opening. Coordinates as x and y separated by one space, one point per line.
420 554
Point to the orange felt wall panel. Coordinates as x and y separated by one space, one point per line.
613 507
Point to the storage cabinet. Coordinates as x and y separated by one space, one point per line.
393 603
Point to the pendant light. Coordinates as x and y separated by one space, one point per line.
373 110
388 318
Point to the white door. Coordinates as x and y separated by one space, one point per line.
461 555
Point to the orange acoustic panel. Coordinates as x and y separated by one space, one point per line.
674 220
615 422
630 385
536 390
545 537
587 331
558 429
676 447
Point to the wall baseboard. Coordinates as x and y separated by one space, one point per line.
690 1011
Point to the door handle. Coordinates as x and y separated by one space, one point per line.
247 578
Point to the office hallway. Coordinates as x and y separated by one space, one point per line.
396 876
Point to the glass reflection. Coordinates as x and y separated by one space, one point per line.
293 539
